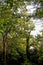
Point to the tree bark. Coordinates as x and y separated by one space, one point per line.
27 46
4 43
4 49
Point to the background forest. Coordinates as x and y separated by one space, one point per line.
18 45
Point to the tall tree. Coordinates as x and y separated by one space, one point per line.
13 18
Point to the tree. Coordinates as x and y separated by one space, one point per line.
6 22
13 22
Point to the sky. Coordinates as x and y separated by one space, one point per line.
38 22
38 26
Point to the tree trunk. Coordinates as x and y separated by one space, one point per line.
4 49
27 46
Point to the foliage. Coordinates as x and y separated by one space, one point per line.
15 28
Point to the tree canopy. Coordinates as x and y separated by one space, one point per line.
17 44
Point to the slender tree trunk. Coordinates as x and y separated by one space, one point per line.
27 49
4 43
4 49
27 46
